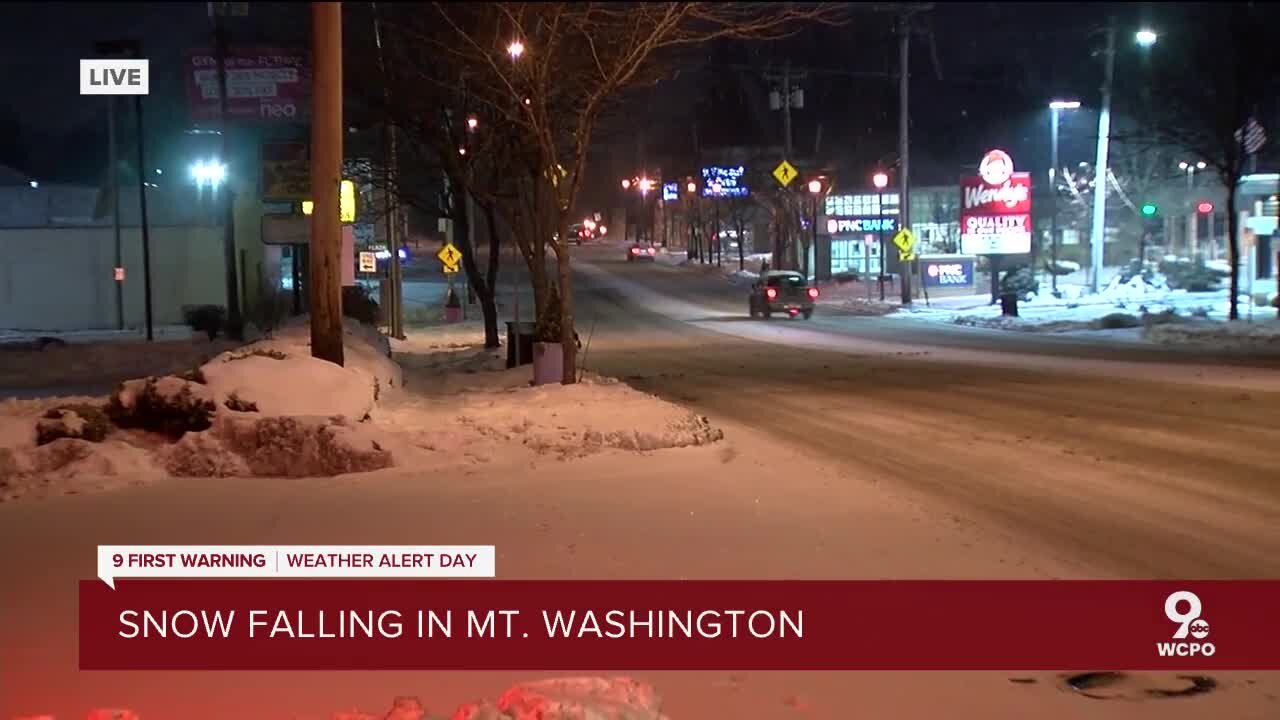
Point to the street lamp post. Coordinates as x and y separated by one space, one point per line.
1144 38
881 181
1054 108
815 189
1192 220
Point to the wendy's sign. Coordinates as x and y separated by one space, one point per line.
995 208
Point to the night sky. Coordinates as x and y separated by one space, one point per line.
1000 64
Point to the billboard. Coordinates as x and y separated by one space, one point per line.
263 85
286 172
995 208
724 182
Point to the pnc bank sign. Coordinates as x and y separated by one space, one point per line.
862 224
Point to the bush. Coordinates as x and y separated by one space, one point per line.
79 421
845 277
1117 321
359 305
208 319
257 352
235 402
1192 276
1135 268
1020 282
1063 267
171 414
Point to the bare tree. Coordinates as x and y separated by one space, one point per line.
1206 90
548 71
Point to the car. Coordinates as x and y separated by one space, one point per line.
782 292
641 252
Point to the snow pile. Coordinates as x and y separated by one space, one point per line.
1138 288
274 446
267 409
501 416
1220 335
580 698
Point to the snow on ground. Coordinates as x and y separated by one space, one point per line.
269 409
728 266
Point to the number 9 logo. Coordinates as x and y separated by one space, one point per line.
1183 620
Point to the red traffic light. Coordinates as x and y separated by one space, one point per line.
1204 208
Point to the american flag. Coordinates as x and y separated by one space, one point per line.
1251 136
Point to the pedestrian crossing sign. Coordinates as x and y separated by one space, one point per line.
785 173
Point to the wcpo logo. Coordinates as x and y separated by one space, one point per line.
1183 609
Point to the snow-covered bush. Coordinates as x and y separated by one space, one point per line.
1116 321
1191 275
169 405
1020 282
80 421
1062 267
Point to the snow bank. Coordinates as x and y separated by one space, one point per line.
580 698
268 409
1220 335
502 417
567 698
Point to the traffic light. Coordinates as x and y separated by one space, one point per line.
1204 208
1149 210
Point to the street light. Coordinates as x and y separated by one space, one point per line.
473 122
212 172
1192 222
815 189
881 181
815 186
1055 107
515 49
626 184
1146 37
692 187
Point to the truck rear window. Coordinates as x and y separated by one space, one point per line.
786 281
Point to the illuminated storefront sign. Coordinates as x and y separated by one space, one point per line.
724 182
862 224
948 273
995 208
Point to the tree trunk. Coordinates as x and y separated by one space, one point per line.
568 338
1233 249
742 241
483 285
488 305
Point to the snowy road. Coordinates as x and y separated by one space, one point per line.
1120 461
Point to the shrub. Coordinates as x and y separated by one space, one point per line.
1117 321
172 415
235 402
208 319
195 375
1192 276
358 304
1019 282
1136 268
845 277
93 424
257 352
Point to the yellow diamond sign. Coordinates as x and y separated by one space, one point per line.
449 256
905 240
785 173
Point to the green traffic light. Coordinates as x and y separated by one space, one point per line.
1148 209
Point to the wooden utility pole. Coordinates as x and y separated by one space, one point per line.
326 177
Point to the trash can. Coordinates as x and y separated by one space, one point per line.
523 339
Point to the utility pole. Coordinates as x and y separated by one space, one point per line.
391 189
785 102
326 176
114 162
1098 235
235 323
1053 199
904 146
143 225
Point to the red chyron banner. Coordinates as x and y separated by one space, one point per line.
677 625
